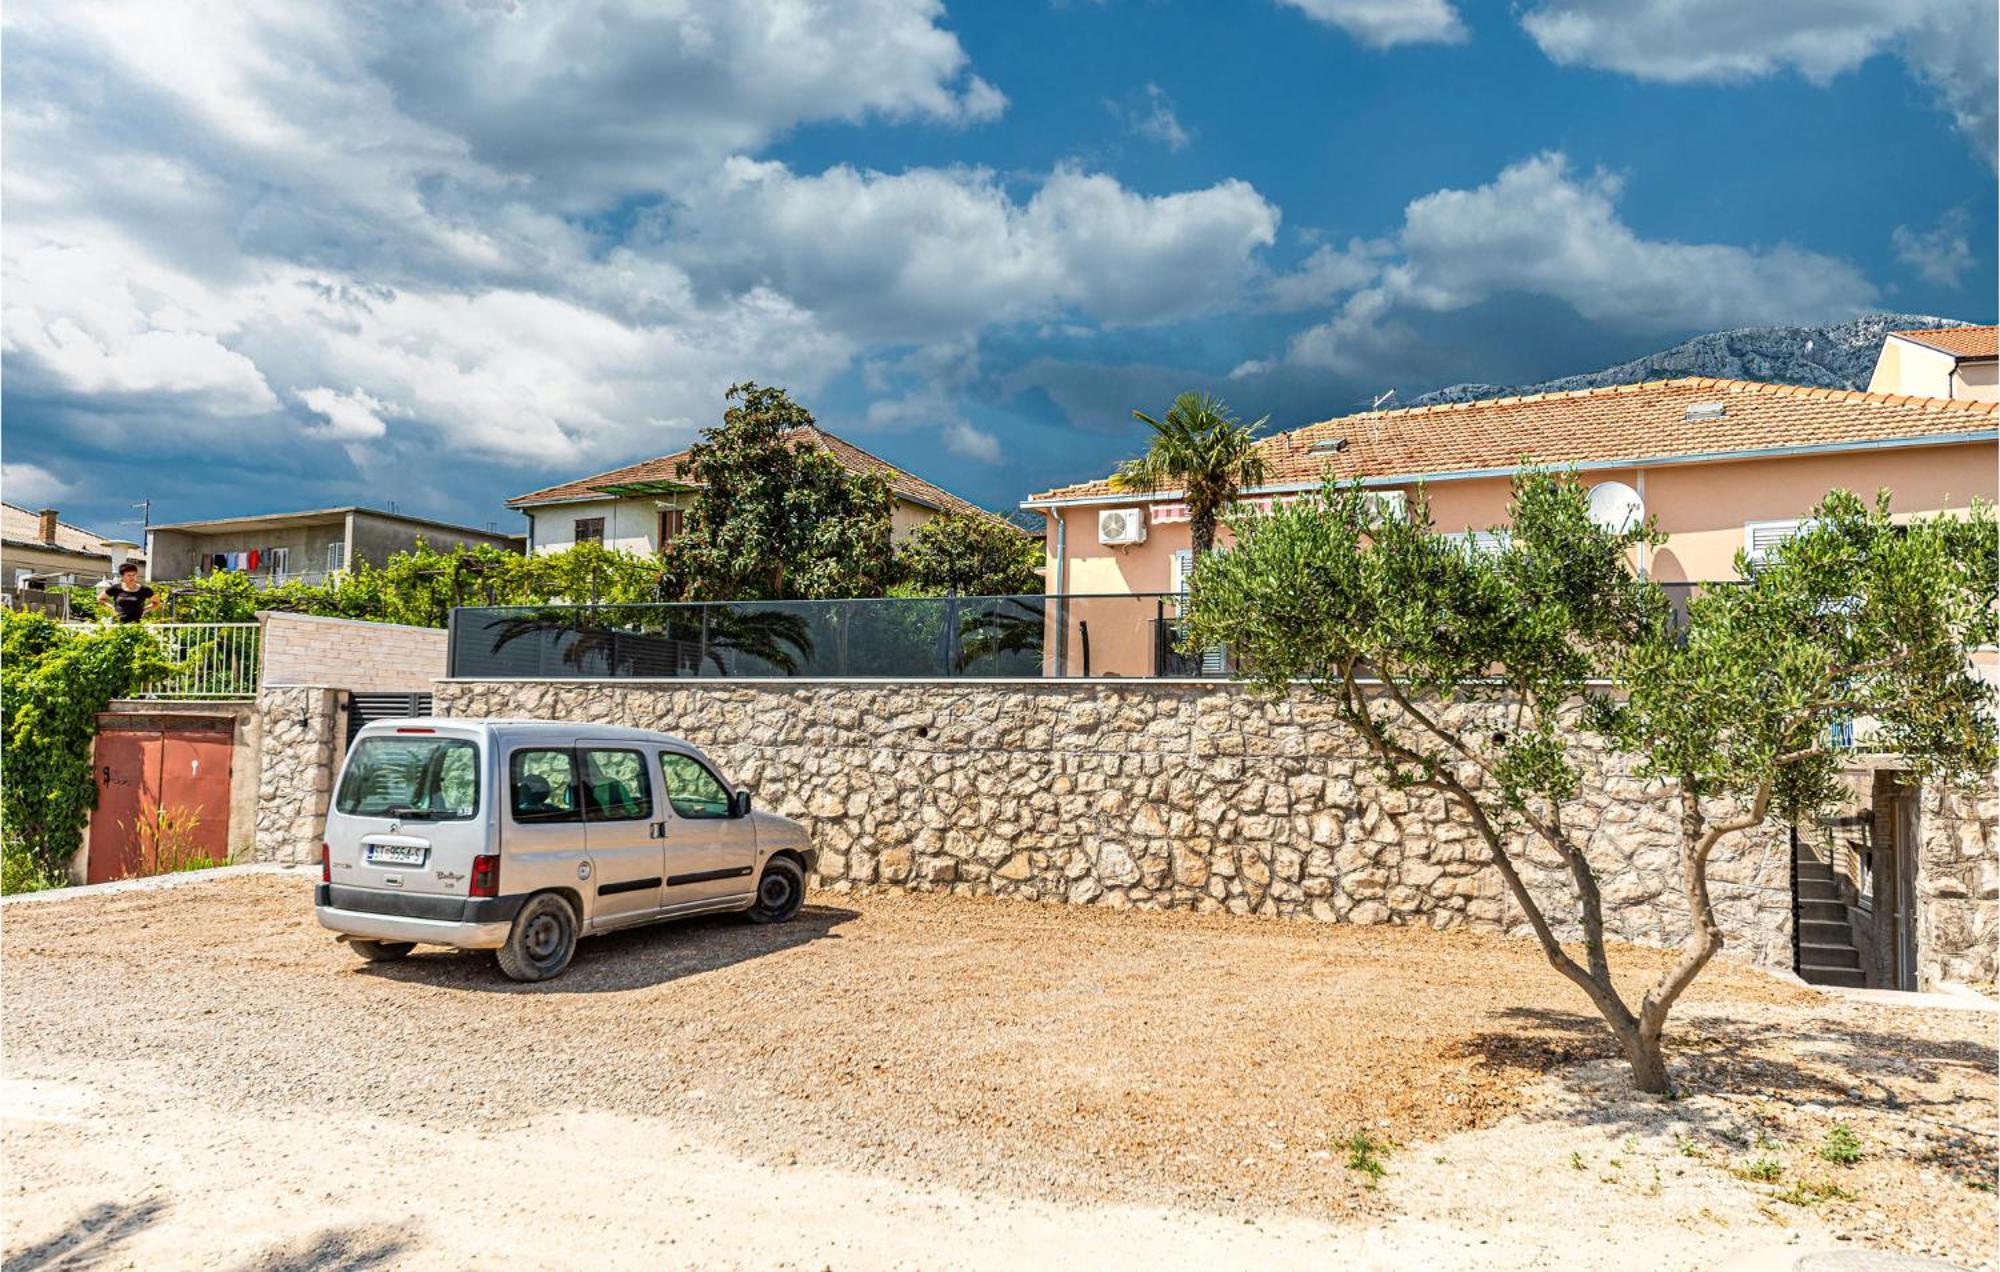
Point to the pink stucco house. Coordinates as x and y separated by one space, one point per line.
1724 465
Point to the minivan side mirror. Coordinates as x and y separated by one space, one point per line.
739 804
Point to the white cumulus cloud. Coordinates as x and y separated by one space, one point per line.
1384 23
1949 44
1541 228
1940 254
535 234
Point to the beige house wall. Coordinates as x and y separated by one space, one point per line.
1979 381
1703 508
41 561
1905 366
1917 369
633 524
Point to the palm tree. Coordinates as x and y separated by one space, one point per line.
1201 448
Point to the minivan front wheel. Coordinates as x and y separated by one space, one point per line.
781 890
543 939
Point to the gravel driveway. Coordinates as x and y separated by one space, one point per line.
1018 1069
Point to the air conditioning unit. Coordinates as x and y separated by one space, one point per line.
1117 527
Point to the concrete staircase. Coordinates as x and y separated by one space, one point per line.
1826 943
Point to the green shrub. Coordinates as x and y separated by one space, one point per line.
1364 1154
1842 1146
53 682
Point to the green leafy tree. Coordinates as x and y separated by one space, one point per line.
1856 619
969 555
1474 675
586 574
53 682
776 516
1201 448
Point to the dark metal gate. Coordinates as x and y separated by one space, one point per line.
366 708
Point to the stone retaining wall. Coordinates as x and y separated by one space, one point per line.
1958 886
1158 795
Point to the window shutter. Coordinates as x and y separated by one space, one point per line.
1761 538
1181 571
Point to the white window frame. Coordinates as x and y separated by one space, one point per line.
336 557
1794 527
1387 505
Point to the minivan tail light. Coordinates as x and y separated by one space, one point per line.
325 864
485 877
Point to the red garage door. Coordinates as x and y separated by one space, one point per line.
162 798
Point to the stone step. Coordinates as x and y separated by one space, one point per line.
1825 931
1813 870
1822 912
1848 976
1810 891
1828 955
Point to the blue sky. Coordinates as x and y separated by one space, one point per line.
282 255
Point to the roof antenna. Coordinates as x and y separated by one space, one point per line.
1376 405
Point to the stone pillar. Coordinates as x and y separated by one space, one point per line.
1958 886
303 730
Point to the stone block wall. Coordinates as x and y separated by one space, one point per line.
1201 797
303 730
1958 886
305 649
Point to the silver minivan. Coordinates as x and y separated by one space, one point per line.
520 836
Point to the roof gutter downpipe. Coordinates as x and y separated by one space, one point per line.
1061 588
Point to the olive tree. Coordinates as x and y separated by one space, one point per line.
1856 623
1482 673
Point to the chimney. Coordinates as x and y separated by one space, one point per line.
48 524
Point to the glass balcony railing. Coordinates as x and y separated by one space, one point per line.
969 637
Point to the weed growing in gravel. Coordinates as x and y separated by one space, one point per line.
1764 1170
1364 1155
1576 1161
1811 1193
1765 1143
1689 1146
1842 1146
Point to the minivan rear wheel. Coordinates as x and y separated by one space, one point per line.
542 941
781 890
381 951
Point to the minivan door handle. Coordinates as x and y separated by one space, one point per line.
658 830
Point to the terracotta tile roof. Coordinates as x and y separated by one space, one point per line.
667 468
24 526
1960 342
1594 426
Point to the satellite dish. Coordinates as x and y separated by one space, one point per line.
1616 507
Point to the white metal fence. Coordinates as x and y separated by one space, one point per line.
217 660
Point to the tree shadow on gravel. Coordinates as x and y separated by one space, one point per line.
92 1238
634 958
334 1250
1818 1062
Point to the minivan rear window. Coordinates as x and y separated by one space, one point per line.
412 778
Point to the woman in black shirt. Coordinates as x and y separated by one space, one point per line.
128 598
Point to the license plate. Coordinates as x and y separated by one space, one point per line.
396 855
